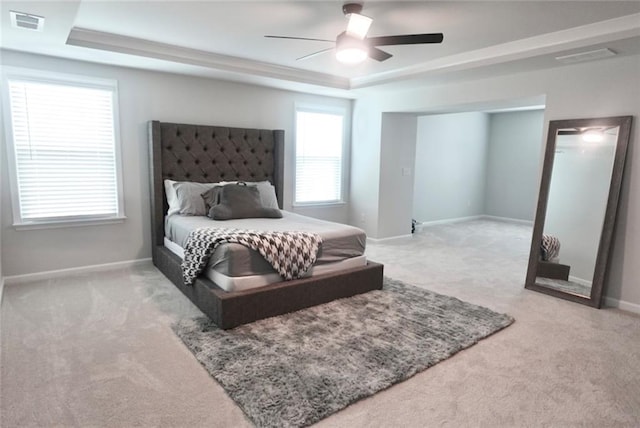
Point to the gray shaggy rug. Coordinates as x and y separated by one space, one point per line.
296 369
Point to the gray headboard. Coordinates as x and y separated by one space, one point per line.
210 154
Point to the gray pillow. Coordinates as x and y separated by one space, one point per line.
267 191
188 196
237 201
267 194
212 196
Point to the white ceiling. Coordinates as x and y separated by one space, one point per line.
226 39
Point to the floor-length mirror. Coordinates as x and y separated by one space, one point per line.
575 218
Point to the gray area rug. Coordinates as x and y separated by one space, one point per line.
296 369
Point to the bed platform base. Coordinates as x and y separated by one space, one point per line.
231 309
553 270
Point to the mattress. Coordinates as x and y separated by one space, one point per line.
242 268
247 282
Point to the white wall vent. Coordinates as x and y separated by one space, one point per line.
586 56
26 21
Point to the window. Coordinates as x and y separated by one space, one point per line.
319 156
63 148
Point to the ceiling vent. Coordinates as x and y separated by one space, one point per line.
586 56
26 21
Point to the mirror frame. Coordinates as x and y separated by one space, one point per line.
606 236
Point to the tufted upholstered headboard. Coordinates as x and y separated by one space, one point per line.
210 154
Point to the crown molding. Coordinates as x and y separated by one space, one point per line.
134 46
572 38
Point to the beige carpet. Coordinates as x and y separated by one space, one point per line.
99 351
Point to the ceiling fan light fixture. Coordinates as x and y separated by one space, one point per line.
358 25
593 136
351 50
351 55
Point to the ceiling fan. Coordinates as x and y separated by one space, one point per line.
353 46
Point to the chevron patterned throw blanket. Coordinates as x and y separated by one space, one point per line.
550 248
290 253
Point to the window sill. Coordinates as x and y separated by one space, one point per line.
53 224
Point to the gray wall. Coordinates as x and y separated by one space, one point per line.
470 164
365 167
146 96
593 89
513 162
2 186
450 165
398 146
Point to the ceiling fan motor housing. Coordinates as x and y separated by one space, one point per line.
349 8
345 40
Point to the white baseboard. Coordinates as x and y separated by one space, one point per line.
449 220
29 277
389 239
508 219
419 226
621 304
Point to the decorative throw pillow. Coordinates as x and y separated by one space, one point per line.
268 196
239 201
212 196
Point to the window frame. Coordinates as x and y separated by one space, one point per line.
330 110
73 80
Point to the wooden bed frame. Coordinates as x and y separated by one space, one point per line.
199 153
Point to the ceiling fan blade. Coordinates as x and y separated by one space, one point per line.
314 54
406 39
300 38
378 55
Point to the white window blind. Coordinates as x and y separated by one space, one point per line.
64 148
319 148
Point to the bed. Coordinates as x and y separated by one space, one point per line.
210 154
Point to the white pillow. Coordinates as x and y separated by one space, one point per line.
172 198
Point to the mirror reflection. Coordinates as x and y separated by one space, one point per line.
576 206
